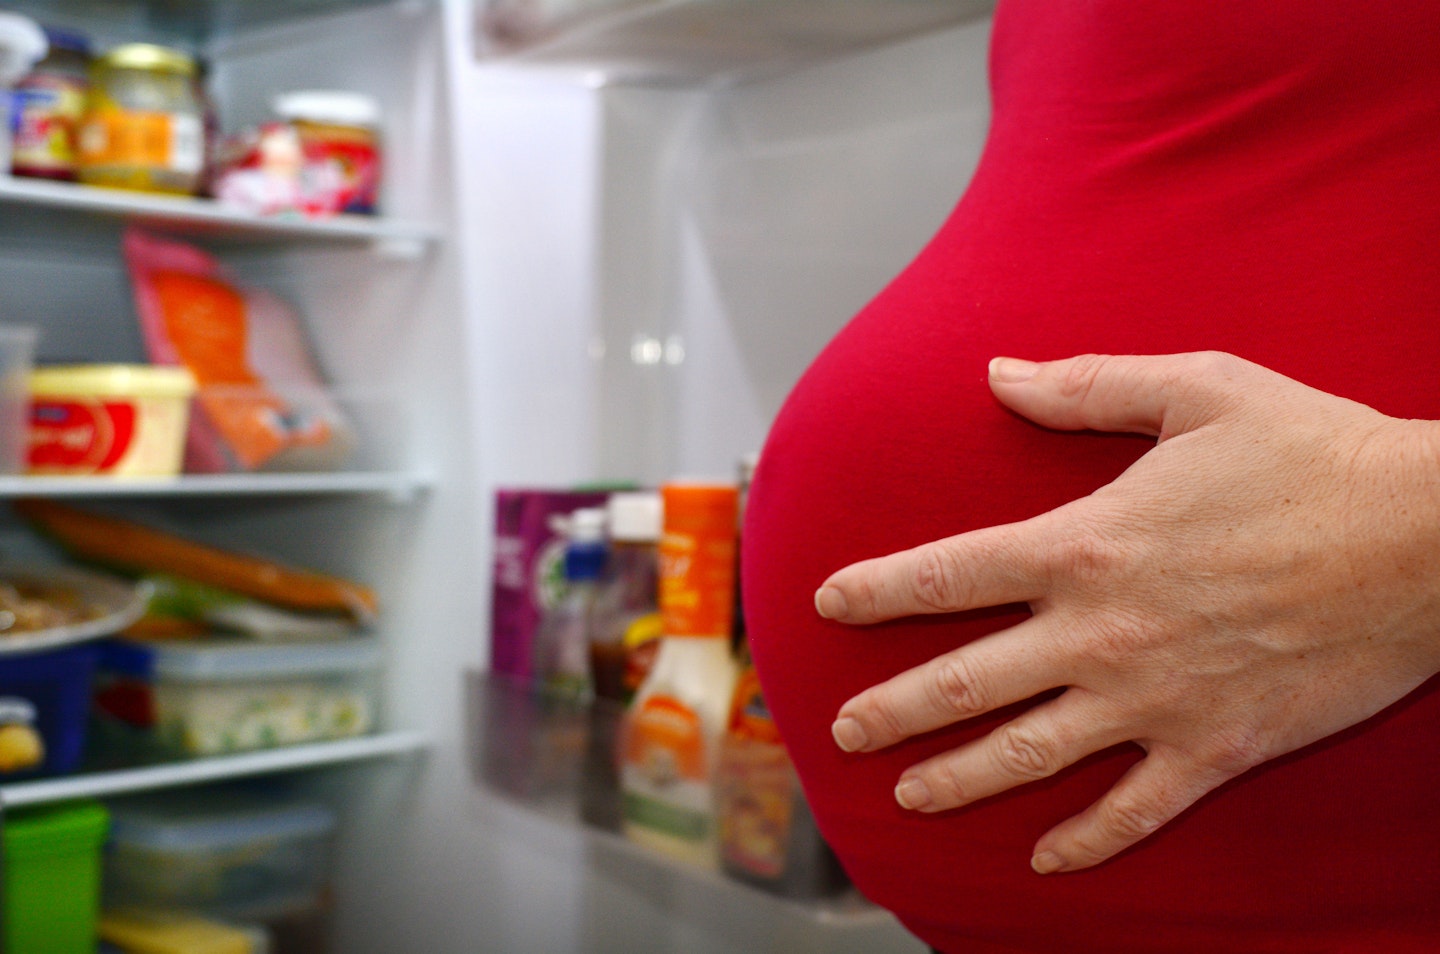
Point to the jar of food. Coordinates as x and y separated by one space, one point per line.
50 104
340 149
144 128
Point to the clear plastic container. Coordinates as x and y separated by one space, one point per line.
220 695
217 851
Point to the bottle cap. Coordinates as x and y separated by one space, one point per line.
635 517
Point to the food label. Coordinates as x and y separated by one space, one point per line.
163 141
79 436
49 117
665 771
697 579
756 787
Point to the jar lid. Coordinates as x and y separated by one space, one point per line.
148 56
67 41
336 107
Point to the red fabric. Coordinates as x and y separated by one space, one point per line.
1161 176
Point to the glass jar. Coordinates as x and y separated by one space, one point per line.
50 104
340 148
144 128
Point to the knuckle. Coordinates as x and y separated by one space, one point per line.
937 578
1235 751
1079 375
1024 753
1086 558
1131 819
957 689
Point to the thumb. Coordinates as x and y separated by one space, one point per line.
1143 394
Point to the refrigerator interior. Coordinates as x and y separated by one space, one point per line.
657 262
635 260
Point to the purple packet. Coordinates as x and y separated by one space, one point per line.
529 573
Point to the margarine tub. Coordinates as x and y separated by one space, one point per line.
116 420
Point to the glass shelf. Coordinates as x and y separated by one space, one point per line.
200 771
60 200
401 487
532 753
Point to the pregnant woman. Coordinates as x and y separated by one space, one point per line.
1160 178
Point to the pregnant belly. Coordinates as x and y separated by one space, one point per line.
893 439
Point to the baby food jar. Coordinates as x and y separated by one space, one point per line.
145 125
340 149
50 103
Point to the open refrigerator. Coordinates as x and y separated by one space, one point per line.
607 247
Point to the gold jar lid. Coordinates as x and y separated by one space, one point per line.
148 56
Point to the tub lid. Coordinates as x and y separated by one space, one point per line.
220 659
215 819
112 380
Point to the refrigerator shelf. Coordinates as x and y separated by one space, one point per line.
212 220
174 774
700 42
401 487
187 22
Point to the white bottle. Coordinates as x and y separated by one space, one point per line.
671 740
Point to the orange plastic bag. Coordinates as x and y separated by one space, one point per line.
261 403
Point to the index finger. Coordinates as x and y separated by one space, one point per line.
987 567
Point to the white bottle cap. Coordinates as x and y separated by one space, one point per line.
635 516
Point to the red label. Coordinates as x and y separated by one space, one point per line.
79 436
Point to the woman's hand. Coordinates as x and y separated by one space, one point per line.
1267 575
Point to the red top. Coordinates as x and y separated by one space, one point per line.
1160 176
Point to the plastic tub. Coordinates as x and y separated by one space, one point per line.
117 420
217 851
44 703
52 878
221 695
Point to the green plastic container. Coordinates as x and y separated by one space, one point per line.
52 878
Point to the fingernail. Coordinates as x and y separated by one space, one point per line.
830 603
912 793
849 734
1047 862
1012 370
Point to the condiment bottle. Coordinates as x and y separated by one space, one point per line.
627 594
562 642
630 591
672 731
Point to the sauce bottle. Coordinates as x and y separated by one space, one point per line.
669 748
628 594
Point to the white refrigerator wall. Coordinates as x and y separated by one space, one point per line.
648 270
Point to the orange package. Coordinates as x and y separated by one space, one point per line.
261 403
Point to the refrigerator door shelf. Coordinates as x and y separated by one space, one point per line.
535 753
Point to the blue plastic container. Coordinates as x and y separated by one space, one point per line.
44 711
